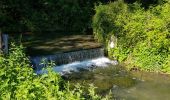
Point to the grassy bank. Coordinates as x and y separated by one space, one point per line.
141 36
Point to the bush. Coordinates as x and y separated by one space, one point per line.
18 81
142 35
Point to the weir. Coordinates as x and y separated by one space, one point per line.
67 57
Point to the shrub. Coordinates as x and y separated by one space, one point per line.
18 81
142 35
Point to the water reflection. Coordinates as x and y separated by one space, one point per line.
125 85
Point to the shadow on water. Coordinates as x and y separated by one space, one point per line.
134 85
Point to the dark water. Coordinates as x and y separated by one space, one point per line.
134 85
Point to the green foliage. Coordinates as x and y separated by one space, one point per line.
142 35
51 15
104 19
19 82
45 15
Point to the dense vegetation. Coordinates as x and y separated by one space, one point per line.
44 15
51 15
141 35
19 82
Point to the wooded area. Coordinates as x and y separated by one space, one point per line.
18 16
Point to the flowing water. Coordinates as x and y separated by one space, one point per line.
124 85
79 65
133 85
67 57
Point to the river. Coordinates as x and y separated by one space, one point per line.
124 85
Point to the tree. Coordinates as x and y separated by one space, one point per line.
0 41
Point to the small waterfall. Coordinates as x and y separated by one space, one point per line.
67 57
77 65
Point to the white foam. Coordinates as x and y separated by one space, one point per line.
87 64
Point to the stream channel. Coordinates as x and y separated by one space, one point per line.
124 85
106 75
